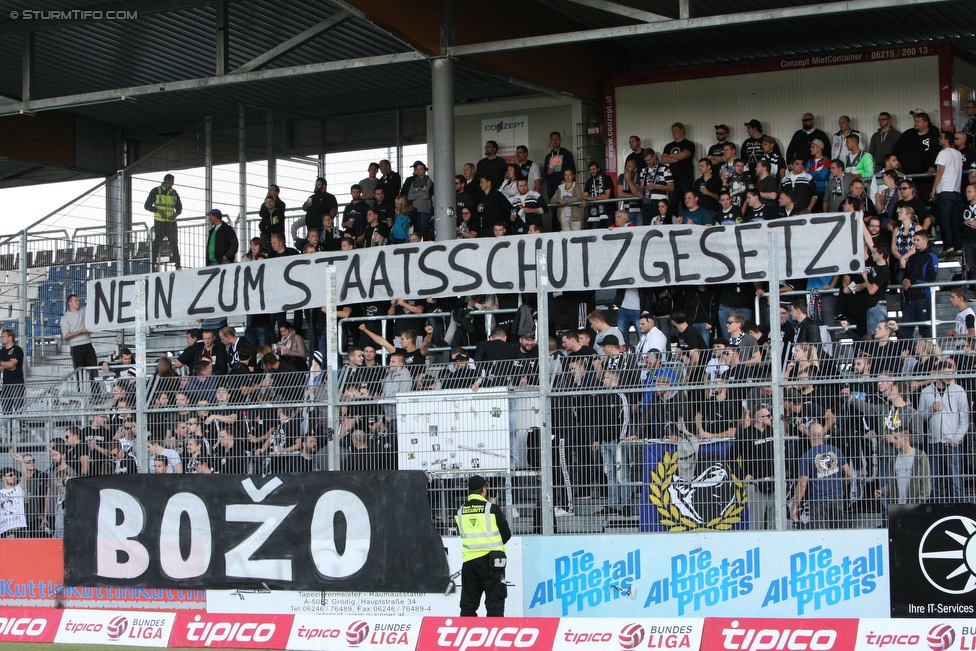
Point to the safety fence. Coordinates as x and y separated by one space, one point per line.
693 440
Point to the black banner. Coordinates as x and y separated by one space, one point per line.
932 548
302 531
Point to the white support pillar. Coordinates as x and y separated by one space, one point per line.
332 363
208 163
242 236
546 503
776 378
272 156
442 163
142 393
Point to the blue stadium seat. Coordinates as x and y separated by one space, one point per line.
78 272
50 290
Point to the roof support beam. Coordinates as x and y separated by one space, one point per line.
292 43
222 63
131 92
31 19
621 10
684 9
27 69
824 9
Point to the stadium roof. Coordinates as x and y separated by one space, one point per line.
158 66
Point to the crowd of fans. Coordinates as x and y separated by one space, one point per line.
877 420
869 421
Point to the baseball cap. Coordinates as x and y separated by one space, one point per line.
818 142
610 340
919 113
216 212
755 124
723 127
418 162
476 483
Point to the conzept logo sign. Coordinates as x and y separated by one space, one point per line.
745 634
503 125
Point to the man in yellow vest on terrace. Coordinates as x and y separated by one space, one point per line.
165 205
484 532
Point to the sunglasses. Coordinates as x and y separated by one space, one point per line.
905 189
730 322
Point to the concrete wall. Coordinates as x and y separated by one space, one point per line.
544 115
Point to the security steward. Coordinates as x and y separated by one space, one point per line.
484 532
165 205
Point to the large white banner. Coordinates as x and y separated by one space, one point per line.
811 245
723 574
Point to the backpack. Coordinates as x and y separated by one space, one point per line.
400 232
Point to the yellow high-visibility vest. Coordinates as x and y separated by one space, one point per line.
165 204
478 529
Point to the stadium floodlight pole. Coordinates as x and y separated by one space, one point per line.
142 330
776 377
442 163
332 363
545 408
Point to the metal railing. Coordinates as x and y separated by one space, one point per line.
663 442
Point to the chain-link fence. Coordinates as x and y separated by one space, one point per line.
685 440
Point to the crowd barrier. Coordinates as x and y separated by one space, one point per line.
321 633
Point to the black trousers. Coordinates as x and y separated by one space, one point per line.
83 355
165 230
477 578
